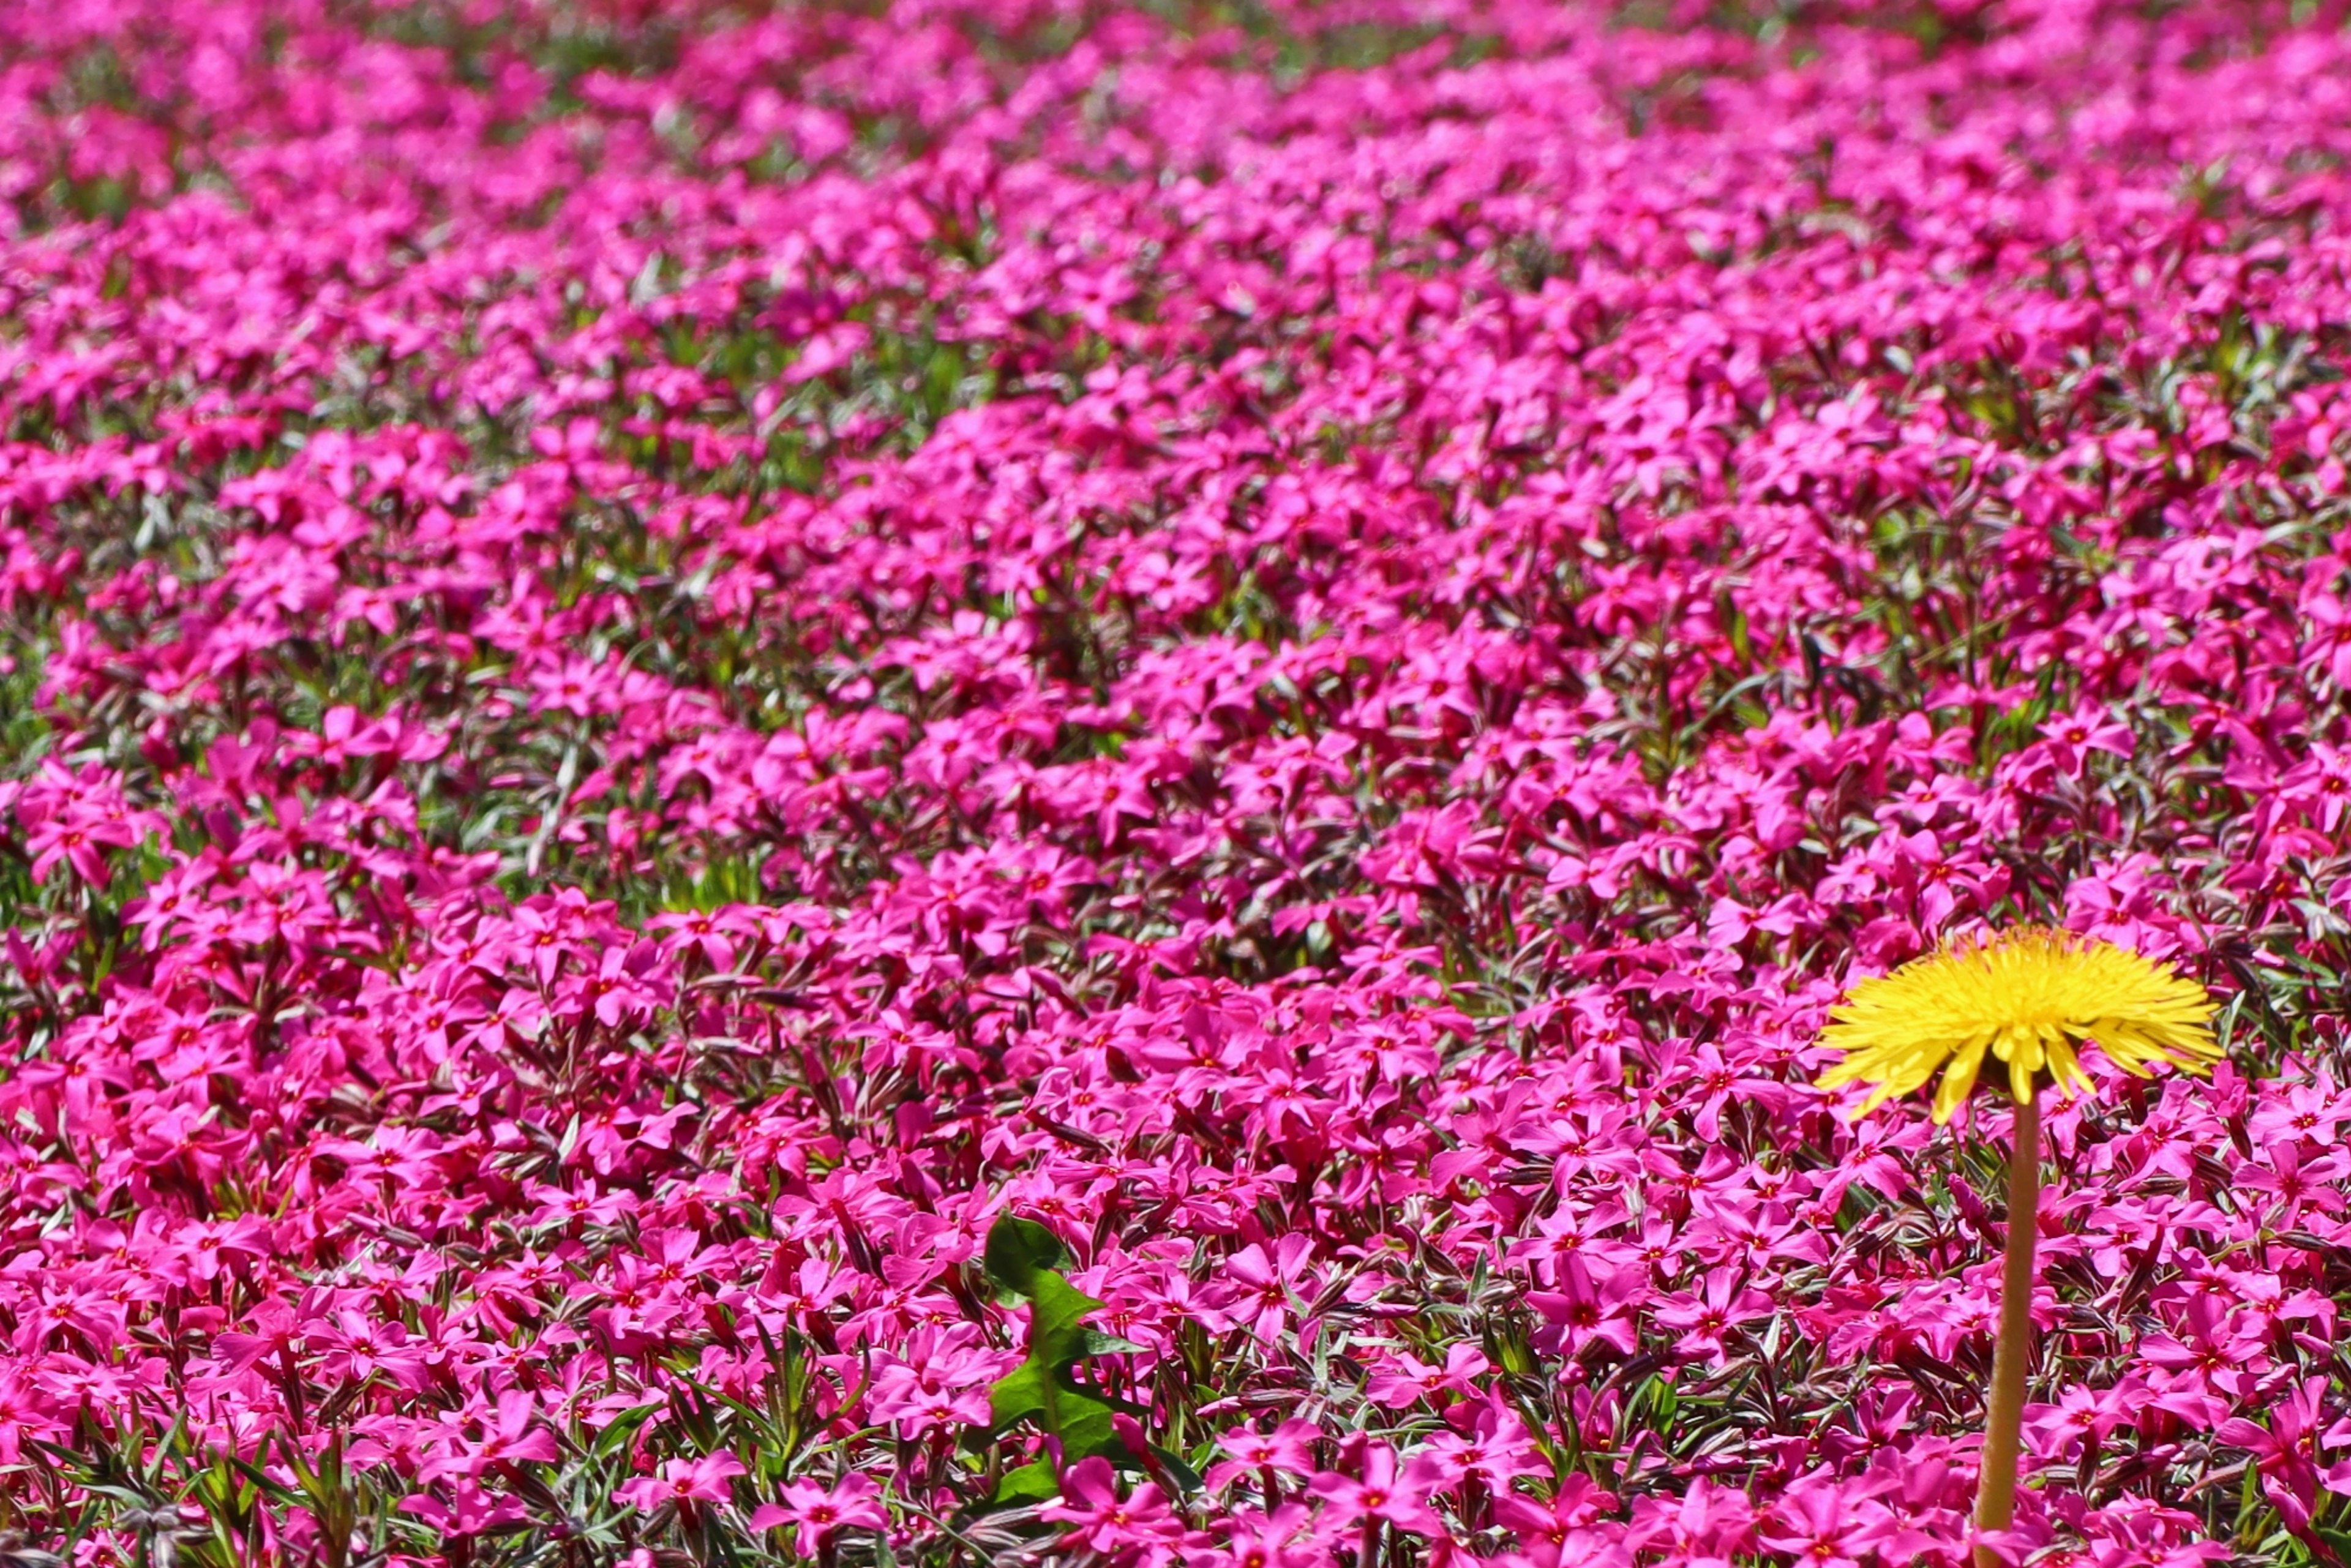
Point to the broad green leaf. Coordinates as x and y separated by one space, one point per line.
1055 1309
1018 1251
1034 1481
1082 1420
1018 1393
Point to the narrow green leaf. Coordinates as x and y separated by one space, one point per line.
1179 1469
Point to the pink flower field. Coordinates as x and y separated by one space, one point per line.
1043 782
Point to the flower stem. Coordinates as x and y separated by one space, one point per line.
2013 1352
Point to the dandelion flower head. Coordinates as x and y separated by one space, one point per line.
2027 998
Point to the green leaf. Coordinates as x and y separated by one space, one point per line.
1055 1309
1034 1481
1179 1469
1019 1251
1021 1260
1082 1420
1018 1393
615 1438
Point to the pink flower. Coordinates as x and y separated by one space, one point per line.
1266 1290
512 1434
818 1513
683 1482
1406 1380
1378 1491
1721 1304
2072 738
2287 1450
1101 1520
1821 1519
635 695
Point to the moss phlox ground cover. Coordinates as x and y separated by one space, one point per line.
663 666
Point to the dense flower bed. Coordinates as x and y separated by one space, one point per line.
658 664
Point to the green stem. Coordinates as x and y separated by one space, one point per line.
2013 1352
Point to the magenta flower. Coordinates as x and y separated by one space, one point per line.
654 662
1100 1519
1721 1303
510 1434
685 1481
1267 1291
2286 1451
1377 1491
817 1514
1288 1450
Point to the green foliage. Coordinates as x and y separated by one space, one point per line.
1023 1261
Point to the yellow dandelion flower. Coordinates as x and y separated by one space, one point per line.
2027 998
